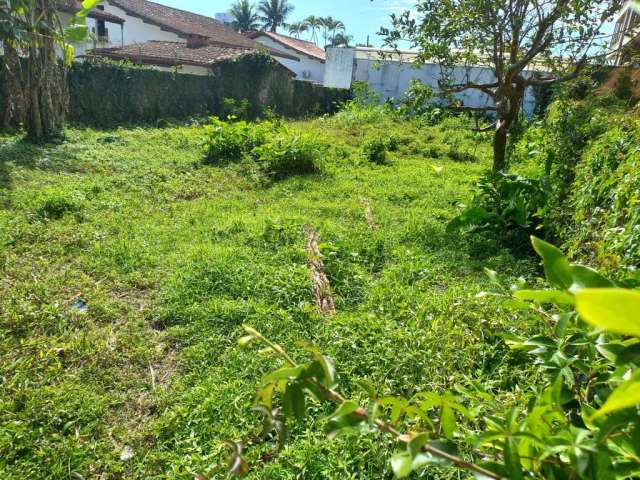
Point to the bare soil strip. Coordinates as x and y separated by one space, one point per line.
321 285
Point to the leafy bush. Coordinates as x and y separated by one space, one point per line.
268 147
581 419
374 150
507 205
418 102
230 142
235 109
288 154
55 204
364 108
589 150
458 155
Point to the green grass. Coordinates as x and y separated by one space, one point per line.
172 257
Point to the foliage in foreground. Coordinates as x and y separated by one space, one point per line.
581 420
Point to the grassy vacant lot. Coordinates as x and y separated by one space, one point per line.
127 269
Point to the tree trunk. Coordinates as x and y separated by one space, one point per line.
505 120
500 146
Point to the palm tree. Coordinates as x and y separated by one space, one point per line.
341 40
313 23
274 13
331 25
297 28
245 16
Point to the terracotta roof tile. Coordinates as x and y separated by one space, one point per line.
171 53
107 17
301 46
182 22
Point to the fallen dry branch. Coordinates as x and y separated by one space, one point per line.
321 285
368 214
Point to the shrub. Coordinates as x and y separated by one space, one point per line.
506 205
623 88
418 102
288 154
374 150
55 206
364 108
230 142
233 109
461 155
393 143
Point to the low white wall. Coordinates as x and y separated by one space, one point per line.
306 64
391 79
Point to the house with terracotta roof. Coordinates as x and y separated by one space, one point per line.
166 38
309 59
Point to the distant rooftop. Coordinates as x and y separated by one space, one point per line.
301 46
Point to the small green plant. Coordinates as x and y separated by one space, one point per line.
510 206
374 150
462 156
229 142
55 206
418 102
233 109
288 154
581 421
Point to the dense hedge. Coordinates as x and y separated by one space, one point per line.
105 94
590 151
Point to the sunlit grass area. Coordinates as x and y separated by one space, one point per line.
128 267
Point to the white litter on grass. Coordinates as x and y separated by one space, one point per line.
127 453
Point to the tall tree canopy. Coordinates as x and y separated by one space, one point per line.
525 43
274 13
297 28
245 16
313 23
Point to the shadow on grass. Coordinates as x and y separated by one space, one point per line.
55 157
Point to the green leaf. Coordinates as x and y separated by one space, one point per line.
245 341
627 395
343 423
615 310
283 374
347 408
556 266
417 442
557 297
630 354
328 369
512 460
493 276
293 401
402 464
585 277
76 33
447 421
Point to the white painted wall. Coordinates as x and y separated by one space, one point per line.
136 31
306 64
338 72
391 79
115 35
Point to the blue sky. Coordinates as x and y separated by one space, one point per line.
362 17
